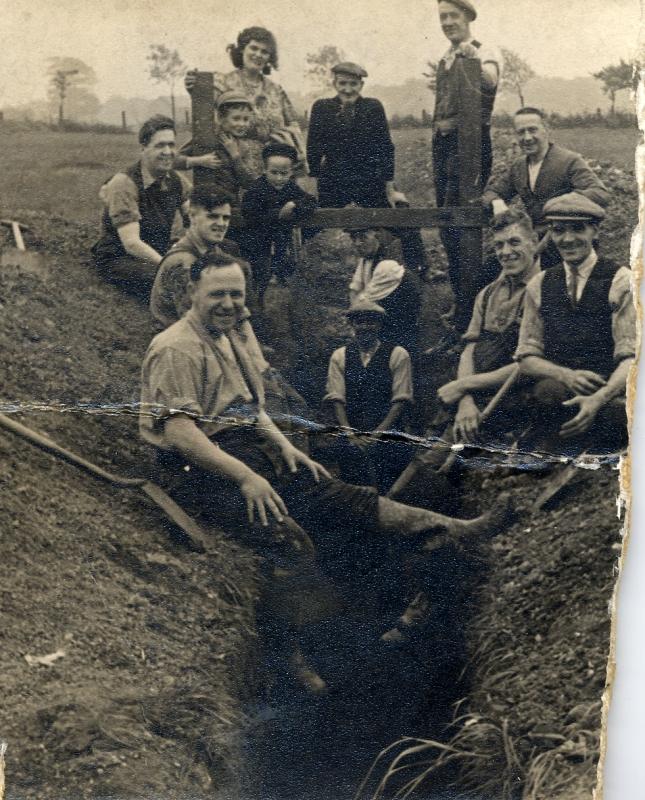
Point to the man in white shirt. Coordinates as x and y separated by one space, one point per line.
455 18
578 337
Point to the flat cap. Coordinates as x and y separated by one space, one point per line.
573 206
467 7
364 307
233 97
349 68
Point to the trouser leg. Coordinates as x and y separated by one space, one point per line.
132 275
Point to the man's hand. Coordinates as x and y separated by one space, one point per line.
259 493
452 392
293 457
190 80
583 420
395 198
498 206
467 51
231 145
286 212
583 381
210 161
467 420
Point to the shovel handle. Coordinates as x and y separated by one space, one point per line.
44 443
17 235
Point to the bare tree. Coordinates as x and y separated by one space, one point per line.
615 78
515 75
70 80
166 66
319 66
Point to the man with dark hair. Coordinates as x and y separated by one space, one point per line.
209 212
578 338
141 206
545 170
455 17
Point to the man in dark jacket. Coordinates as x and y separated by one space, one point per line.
141 206
545 170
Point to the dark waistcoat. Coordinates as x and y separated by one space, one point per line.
157 208
368 390
579 337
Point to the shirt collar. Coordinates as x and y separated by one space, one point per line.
450 52
148 178
515 281
584 270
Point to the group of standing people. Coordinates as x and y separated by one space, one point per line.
547 344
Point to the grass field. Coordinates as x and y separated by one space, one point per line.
61 172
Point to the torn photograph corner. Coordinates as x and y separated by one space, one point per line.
319 330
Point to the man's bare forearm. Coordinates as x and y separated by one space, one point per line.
396 409
617 382
538 367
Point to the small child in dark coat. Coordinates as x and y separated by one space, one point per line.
271 207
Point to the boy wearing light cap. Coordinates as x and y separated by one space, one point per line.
578 337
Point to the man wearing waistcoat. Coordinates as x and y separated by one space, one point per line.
369 385
140 207
543 171
455 18
578 338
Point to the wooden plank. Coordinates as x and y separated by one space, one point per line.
470 159
202 105
353 218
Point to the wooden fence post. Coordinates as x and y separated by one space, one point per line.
470 162
124 125
202 114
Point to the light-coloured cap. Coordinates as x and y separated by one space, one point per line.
349 68
573 206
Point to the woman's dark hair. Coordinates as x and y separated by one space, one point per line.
152 126
215 259
255 34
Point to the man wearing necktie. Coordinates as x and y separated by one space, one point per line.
578 337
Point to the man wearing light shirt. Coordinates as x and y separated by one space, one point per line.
545 170
455 18
141 206
578 337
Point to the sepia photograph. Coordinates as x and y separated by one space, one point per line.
319 331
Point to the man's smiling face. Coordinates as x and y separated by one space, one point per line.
515 249
158 155
218 297
210 225
454 22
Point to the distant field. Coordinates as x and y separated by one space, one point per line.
61 172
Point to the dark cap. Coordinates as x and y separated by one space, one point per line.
349 68
467 7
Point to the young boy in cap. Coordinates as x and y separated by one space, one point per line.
369 386
271 207
223 155
577 339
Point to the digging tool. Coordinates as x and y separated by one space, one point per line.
198 538
18 255
557 487
409 473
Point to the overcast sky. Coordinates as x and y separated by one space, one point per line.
392 38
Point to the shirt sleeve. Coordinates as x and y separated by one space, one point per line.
121 197
477 320
174 384
335 389
401 369
623 316
531 337
491 53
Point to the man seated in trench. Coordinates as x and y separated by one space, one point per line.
577 340
202 406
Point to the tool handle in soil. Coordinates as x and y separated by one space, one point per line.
44 443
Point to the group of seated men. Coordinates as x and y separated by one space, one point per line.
544 364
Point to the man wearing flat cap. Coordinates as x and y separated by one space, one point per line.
369 386
351 154
578 338
455 18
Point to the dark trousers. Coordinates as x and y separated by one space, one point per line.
607 434
269 252
445 160
133 275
